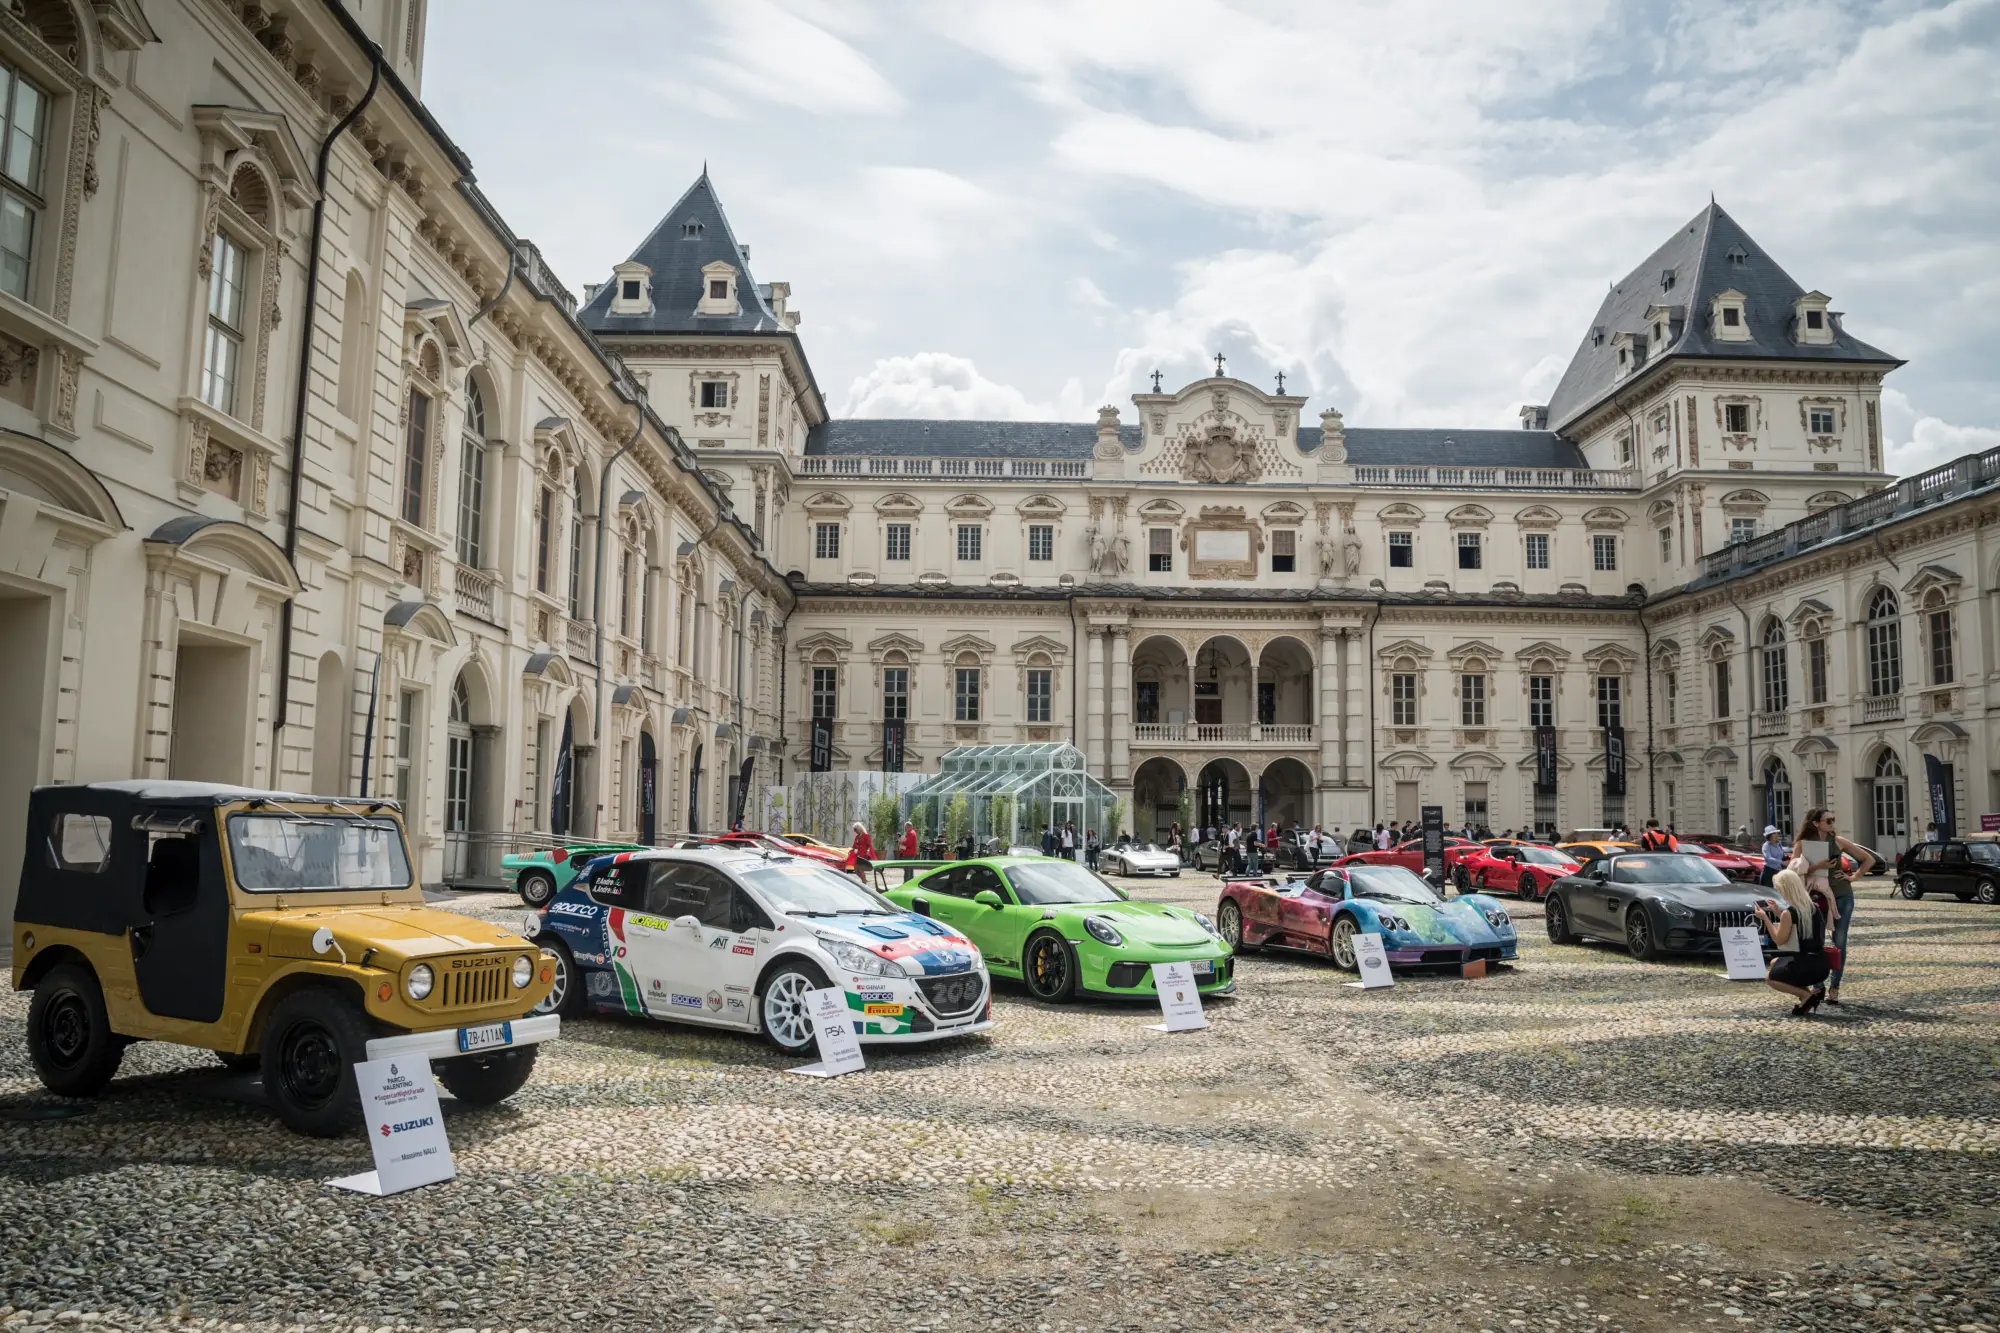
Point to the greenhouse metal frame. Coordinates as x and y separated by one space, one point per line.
1037 784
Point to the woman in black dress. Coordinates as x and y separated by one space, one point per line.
1799 933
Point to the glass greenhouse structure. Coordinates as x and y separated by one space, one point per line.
1011 793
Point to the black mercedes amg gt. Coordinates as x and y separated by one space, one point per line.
1653 903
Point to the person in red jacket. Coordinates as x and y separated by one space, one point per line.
862 851
907 848
1653 840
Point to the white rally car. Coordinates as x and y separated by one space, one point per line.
736 939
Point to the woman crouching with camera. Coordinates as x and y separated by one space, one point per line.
1799 934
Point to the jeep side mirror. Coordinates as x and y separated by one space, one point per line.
989 898
322 941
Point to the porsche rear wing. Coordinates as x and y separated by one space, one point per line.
910 870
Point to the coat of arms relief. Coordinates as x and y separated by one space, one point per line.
1221 456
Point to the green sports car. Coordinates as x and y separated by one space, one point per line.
1061 929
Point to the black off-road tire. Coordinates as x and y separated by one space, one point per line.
1555 918
536 887
490 1077
312 1041
75 1052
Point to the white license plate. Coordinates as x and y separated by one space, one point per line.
486 1037
1204 967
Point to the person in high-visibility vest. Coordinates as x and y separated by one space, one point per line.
1654 840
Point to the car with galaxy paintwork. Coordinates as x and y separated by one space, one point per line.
732 938
1322 913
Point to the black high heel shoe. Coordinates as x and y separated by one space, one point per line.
1812 1001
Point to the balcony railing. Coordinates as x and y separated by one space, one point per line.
1770 724
1501 478
1222 733
942 469
580 639
1881 707
474 592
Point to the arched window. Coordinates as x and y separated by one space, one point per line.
1777 682
1892 804
576 547
353 347
1885 645
1777 794
472 481
1938 630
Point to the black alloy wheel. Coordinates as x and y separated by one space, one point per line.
1639 940
1049 967
1556 920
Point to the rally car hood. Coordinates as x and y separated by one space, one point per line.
906 938
395 934
1145 923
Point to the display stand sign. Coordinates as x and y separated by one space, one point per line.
399 1104
1373 960
1434 840
833 1029
1180 1002
1743 953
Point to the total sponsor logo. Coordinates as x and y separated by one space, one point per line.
405 1126
744 947
680 1001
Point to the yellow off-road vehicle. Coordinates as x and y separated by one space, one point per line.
286 933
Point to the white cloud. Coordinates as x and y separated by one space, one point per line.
769 54
940 385
1916 442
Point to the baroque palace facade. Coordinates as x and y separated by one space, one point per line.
313 475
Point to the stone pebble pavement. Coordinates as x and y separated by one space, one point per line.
1578 1142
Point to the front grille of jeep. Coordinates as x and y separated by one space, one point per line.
472 987
952 996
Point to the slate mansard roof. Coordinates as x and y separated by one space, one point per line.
1366 446
1712 254
676 258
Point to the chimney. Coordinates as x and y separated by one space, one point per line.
744 250
1534 416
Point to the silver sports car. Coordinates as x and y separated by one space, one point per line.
1138 858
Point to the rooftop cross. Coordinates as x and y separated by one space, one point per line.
1219 359
1156 381
1281 381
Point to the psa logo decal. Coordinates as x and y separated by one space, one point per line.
680 1001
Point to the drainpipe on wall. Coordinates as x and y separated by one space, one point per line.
286 613
597 594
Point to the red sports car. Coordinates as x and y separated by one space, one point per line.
771 842
1410 856
1741 868
1523 869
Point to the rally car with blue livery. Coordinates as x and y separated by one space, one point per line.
738 939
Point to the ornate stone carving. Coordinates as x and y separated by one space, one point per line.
18 357
197 457
763 411
1221 457
222 470
68 367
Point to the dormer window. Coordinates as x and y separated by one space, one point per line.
1738 256
632 293
1815 319
1731 316
718 289
1666 280
1728 320
1812 322
628 290
1597 336
690 230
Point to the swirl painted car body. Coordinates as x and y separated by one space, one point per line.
1323 912
736 939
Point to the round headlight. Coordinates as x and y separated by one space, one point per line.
421 981
524 972
1103 932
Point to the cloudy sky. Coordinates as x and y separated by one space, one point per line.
1021 208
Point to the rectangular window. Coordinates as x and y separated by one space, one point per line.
646 609
24 109
1160 550
1815 319
1041 542
629 289
1742 530
1284 551
715 394
896 542
1666 546
416 458
471 502
1472 701
1671 689
1816 784
1736 418
718 289
1041 693
971 541
576 557
545 520
1816 675
895 693
81 842
1402 550
1943 671
1604 552
825 690
1730 316
625 565
1541 701
1538 550
965 694
1624 441
222 352
1820 418
1722 687
407 732
1468 550
1403 700
1722 802
826 541
1610 706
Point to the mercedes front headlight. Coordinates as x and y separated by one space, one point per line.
524 972
1674 909
421 980
1103 931
859 960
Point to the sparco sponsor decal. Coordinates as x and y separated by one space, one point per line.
572 909
685 1001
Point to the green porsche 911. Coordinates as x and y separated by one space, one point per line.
1062 930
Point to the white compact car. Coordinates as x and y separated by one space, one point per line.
736 939
1138 858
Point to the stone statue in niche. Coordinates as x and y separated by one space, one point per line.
1095 536
1350 546
1329 559
1121 554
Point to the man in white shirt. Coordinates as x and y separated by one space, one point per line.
1381 838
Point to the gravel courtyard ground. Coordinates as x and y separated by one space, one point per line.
1580 1142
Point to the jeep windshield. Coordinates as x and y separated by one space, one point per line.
289 853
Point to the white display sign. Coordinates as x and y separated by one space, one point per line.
1221 544
1373 960
1743 953
399 1106
834 1031
1180 1002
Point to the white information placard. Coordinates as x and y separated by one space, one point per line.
1373 960
1180 1002
834 1031
399 1107
1743 953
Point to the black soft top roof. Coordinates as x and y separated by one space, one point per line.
165 790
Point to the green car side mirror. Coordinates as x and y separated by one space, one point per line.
990 898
